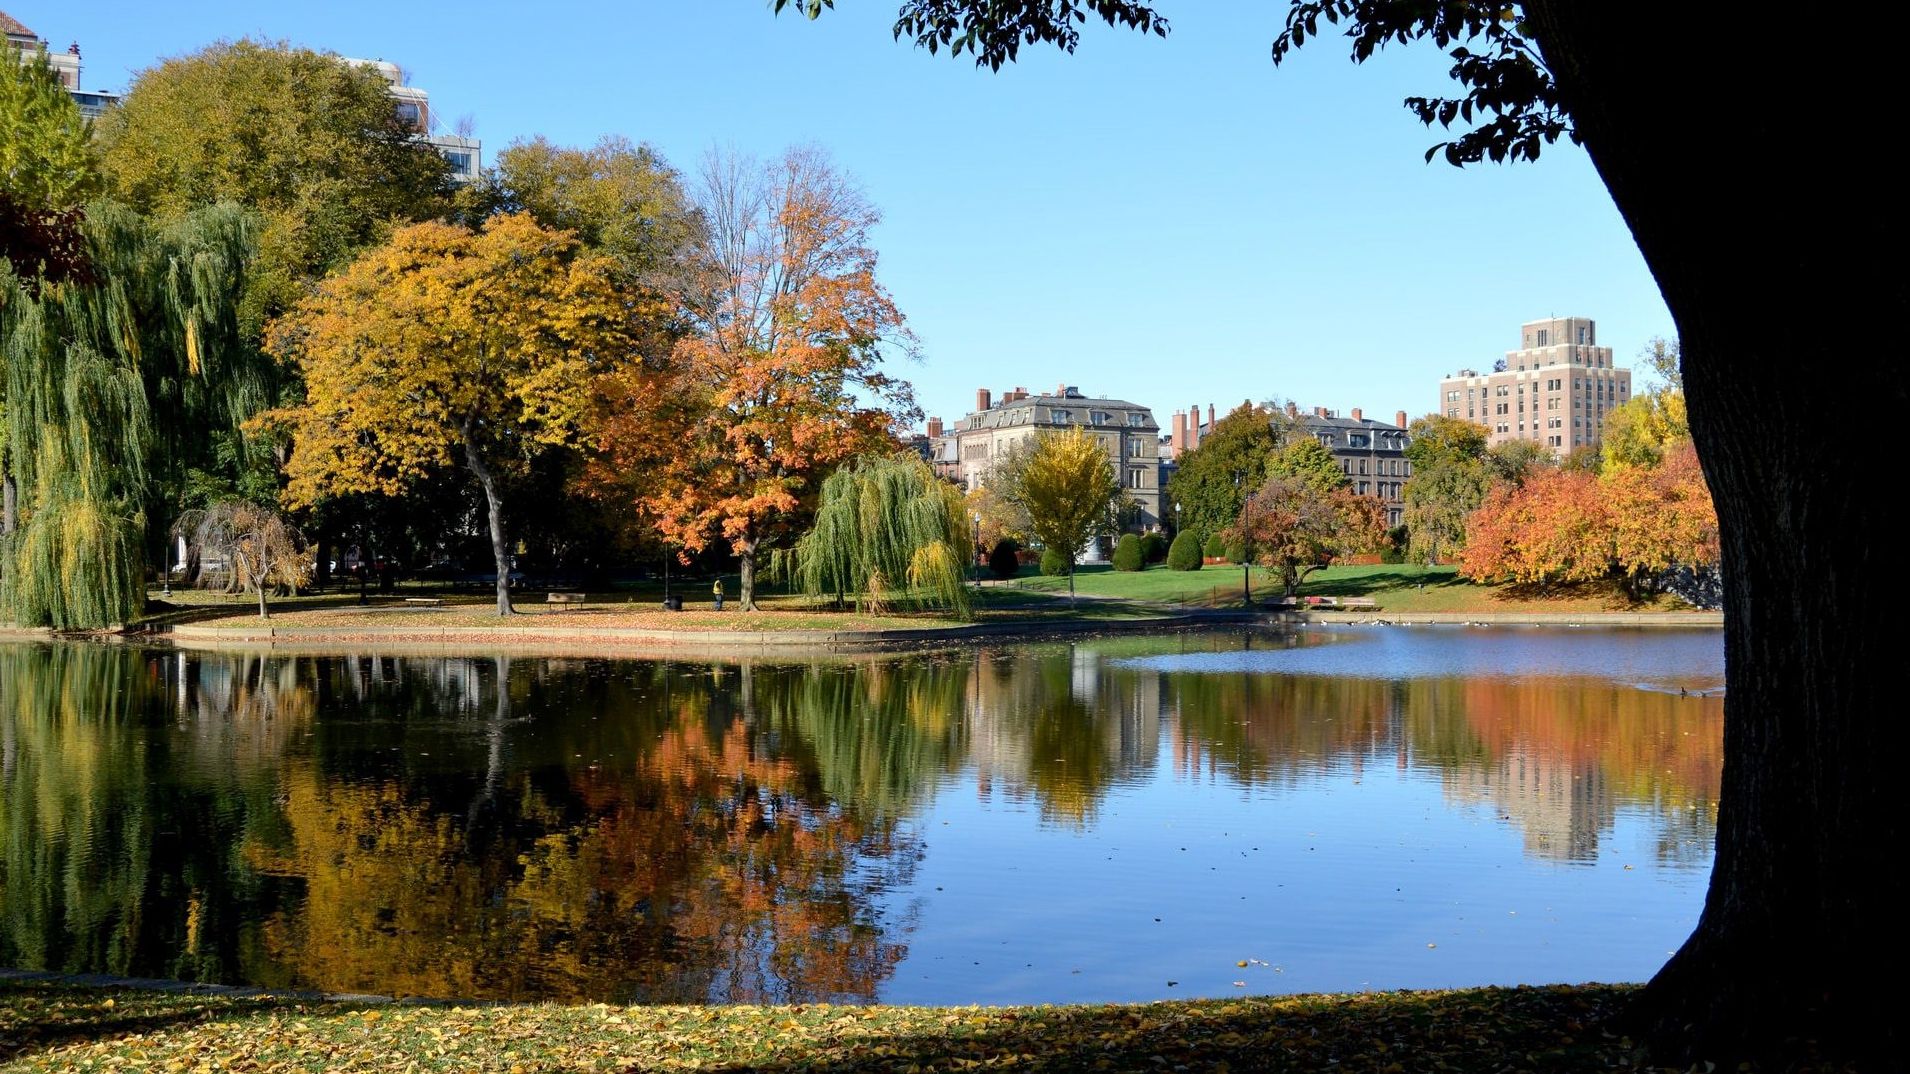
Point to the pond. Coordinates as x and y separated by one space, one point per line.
1105 819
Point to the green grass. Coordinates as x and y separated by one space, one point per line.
47 1027
1396 587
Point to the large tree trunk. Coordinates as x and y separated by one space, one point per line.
1737 149
746 566
500 551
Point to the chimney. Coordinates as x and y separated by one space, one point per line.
1020 393
1193 427
983 398
1400 419
934 428
1293 409
1356 414
1210 417
1061 389
1319 412
1180 433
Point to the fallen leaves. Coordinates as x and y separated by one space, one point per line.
55 1028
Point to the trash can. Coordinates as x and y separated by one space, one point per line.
673 603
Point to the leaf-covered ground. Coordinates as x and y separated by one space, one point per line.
47 1027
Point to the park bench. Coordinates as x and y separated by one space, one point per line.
563 598
1323 602
1363 603
1284 602
425 602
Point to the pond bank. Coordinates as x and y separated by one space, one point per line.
54 1025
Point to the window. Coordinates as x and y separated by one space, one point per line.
1062 417
1582 333
1097 417
1356 440
1452 412
1452 396
1544 336
1362 467
1362 488
1136 418
1137 478
1136 447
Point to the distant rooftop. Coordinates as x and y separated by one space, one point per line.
13 27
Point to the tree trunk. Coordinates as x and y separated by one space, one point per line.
1690 118
495 505
746 566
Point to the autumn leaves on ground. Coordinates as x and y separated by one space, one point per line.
49 1028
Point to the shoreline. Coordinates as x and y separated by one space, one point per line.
719 642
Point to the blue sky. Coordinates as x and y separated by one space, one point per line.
1169 221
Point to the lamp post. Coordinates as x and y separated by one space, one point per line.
1177 519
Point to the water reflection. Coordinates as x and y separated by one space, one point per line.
688 832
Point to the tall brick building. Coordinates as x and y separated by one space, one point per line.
1554 390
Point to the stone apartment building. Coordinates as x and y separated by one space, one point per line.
1371 453
1556 389
1127 431
25 44
413 106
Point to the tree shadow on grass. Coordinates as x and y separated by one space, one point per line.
1551 1029
41 1018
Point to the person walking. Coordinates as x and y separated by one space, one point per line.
717 592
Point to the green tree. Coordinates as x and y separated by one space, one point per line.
1127 553
1208 481
1449 479
99 378
312 143
1790 928
621 199
1070 494
1515 460
1309 461
443 347
884 523
47 170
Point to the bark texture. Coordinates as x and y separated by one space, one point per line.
1742 164
494 510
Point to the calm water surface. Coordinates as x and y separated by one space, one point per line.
1111 819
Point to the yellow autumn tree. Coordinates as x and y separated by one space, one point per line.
448 347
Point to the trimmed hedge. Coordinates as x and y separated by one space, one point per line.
1215 548
1004 560
1127 553
1054 564
1184 554
1153 547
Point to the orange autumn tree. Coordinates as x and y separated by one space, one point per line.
448 347
781 379
1563 526
1294 524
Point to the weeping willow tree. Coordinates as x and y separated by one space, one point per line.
106 383
885 524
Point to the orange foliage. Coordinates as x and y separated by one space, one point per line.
1568 526
780 381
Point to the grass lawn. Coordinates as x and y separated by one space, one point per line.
57 1028
1396 587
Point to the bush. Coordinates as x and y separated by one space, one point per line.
1236 553
1153 547
1216 548
1185 553
1392 554
1004 560
1054 564
1127 553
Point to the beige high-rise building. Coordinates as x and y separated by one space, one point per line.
1556 389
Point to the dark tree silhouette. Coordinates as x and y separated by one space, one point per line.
1734 145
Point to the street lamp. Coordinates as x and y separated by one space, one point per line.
1246 542
1176 518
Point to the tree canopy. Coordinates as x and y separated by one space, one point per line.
1069 491
47 171
444 347
1211 481
314 144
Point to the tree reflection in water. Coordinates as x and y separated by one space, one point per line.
687 832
